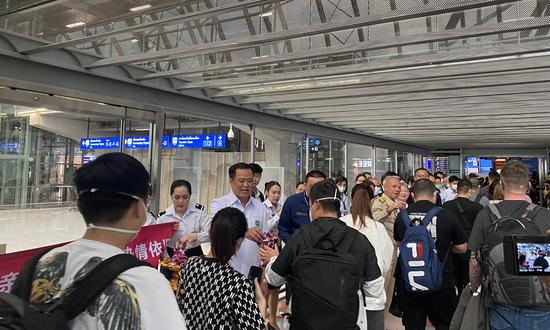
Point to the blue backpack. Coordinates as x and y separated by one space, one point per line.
421 269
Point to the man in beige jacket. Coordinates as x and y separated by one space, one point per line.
385 209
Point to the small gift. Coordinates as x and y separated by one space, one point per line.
170 267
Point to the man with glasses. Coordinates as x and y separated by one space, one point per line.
113 197
241 180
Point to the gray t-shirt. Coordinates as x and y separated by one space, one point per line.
506 208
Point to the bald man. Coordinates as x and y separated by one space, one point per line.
385 210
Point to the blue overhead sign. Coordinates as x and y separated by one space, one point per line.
197 141
100 143
136 142
485 166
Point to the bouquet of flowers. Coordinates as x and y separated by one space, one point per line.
269 240
170 267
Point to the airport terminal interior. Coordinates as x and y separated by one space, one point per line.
190 87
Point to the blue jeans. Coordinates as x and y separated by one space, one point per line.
515 318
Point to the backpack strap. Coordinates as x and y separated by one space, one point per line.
348 241
90 287
530 211
429 216
478 198
405 217
23 284
462 215
494 214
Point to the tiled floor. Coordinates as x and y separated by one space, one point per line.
26 229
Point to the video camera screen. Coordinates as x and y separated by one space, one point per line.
533 258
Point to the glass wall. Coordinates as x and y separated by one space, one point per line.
279 153
41 148
360 160
405 161
385 161
201 152
327 156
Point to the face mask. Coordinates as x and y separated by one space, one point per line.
341 189
438 186
120 230
377 191
454 186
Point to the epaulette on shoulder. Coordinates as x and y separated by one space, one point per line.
199 206
162 213
382 199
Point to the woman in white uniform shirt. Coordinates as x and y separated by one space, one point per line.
193 222
273 196
361 219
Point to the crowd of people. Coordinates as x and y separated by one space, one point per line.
347 252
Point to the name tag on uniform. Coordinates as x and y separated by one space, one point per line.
258 223
302 214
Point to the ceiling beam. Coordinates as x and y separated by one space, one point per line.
470 86
250 41
457 117
150 25
294 56
439 110
423 62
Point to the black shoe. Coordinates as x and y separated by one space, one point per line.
395 311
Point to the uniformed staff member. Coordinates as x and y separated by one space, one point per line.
241 180
296 208
385 210
193 222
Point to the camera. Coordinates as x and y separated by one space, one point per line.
527 255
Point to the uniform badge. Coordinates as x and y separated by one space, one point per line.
199 206
258 223
382 199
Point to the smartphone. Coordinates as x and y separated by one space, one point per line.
254 272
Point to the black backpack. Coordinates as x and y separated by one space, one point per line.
507 289
16 313
324 285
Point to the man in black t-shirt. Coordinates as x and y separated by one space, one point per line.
325 232
466 212
449 236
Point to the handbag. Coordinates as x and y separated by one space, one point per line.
471 313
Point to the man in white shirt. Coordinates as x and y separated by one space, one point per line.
113 193
448 194
241 179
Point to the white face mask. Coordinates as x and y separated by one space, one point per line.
121 230
341 189
454 186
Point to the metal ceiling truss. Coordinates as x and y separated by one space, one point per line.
249 42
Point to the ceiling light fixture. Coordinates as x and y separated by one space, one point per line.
134 40
75 24
140 8
266 14
230 133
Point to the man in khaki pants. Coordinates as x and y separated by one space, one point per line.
385 209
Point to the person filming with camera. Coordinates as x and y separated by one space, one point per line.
513 301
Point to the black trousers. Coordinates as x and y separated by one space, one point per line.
438 306
461 264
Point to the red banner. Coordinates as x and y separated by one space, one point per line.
148 246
